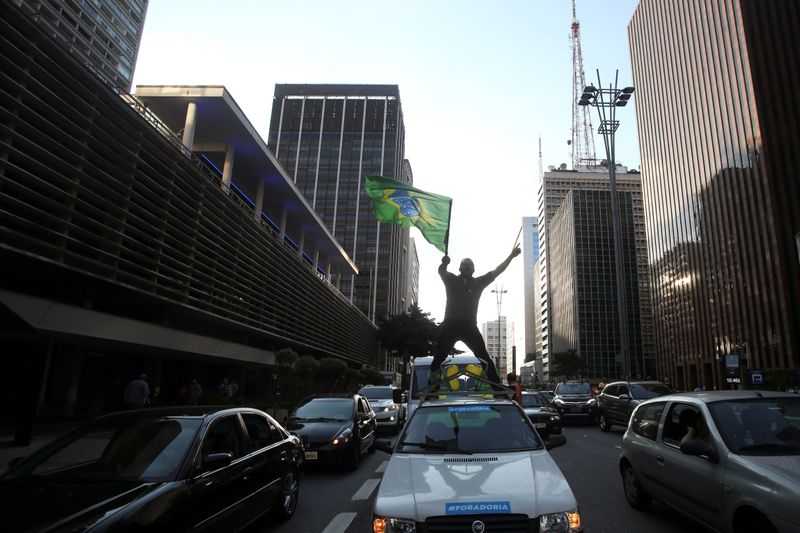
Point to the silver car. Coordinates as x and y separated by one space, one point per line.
728 459
385 400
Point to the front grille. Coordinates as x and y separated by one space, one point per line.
505 523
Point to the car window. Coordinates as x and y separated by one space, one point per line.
680 416
759 426
324 409
472 428
646 419
377 393
259 432
146 450
362 408
610 390
222 437
533 400
644 391
621 389
573 388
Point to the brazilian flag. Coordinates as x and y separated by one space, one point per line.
401 204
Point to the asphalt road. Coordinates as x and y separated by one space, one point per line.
338 500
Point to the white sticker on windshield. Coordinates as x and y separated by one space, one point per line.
469 409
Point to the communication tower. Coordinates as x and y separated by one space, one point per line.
582 139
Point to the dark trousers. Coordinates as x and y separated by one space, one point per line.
454 331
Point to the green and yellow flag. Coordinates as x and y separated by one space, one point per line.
403 205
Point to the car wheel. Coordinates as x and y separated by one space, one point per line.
355 458
752 520
605 425
288 497
636 496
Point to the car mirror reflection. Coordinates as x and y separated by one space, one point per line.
213 461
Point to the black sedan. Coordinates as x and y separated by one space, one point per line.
166 469
334 429
545 418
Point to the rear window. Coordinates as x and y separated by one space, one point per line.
376 393
573 388
468 428
643 391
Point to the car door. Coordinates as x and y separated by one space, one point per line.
266 456
366 424
608 401
218 495
622 406
690 483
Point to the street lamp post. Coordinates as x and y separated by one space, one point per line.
606 101
499 296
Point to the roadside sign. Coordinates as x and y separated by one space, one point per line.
732 374
755 376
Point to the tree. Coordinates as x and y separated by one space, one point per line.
568 364
408 334
306 370
330 372
370 376
285 359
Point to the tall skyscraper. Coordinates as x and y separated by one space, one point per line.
531 286
719 133
499 335
103 34
329 137
554 189
412 292
583 280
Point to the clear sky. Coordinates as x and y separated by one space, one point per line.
480 81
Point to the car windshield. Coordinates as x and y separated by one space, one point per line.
325 409
116 450
376 393
769 426
533 400
468 429
643 391
573 388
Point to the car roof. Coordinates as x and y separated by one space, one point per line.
186 411
725 395
639 382
451 359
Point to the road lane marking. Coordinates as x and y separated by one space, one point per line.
617 447
340 523
382 468
366 489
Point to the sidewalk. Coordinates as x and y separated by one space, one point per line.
42 434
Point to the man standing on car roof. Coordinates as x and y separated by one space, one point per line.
461 314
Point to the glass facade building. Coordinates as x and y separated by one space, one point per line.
328 137
583 280
530 268
719 133
103 34
555 187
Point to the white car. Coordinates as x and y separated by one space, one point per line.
472 463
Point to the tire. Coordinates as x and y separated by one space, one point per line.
636 496
605 425
355 458
289 496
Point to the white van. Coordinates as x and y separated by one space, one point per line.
421 369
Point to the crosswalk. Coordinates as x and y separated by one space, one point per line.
342 521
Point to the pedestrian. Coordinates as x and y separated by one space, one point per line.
233 389
195 390
223 388
461 314
137 393
514 384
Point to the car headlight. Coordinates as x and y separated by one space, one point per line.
555 418
566 522
393 525
392 407
342 437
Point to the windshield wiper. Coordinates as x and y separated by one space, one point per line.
768 446
326 419
434 446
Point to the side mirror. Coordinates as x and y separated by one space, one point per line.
624 397
384 445
213 461
554 441
397 396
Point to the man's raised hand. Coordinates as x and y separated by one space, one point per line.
446 260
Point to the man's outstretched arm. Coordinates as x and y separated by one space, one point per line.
443 267
504 265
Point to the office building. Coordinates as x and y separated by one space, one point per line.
104 35
499 338
554 188
412 271
583 295
719 132
328 137
125 250
531 286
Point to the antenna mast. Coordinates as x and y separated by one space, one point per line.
582 135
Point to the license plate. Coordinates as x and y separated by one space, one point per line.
540 425
311 455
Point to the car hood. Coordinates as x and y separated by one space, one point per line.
574 397
317 431
418 486
785 466
36 505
